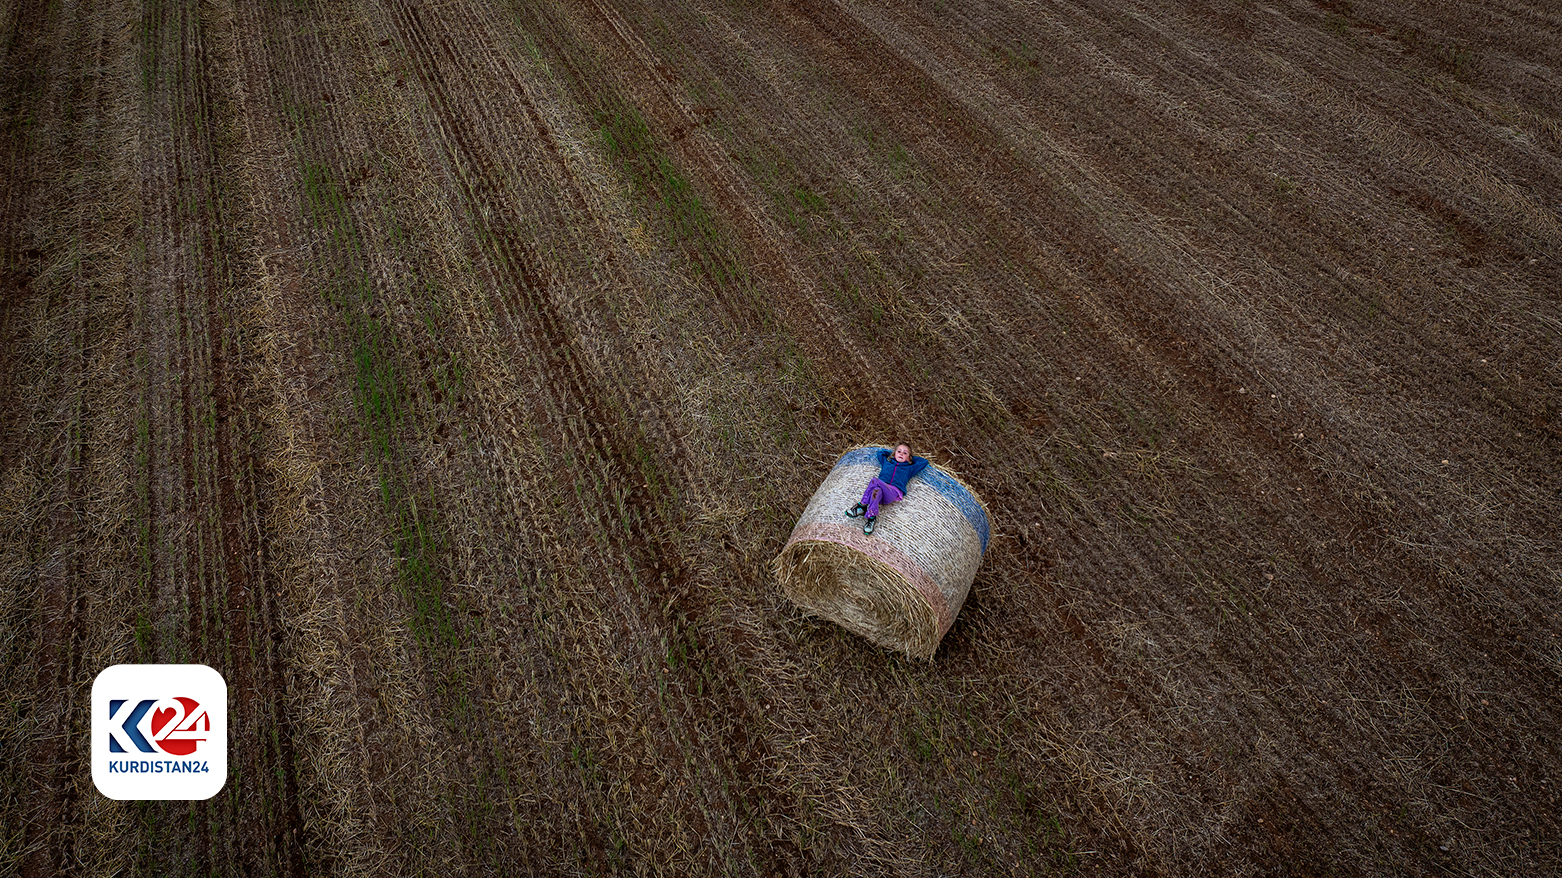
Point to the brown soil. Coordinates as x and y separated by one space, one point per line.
448 376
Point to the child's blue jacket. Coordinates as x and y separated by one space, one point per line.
892 471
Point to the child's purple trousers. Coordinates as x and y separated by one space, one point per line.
877 492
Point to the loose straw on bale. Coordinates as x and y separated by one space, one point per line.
902 586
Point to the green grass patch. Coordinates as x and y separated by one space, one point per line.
888 152
378 392
418 544
151 34
384 405
809 201
1017 57
327 202
626 139
1459 61
143 636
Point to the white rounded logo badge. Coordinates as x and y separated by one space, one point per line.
159 732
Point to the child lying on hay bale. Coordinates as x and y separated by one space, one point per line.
903 586
889 486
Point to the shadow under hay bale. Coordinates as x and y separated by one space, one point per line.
901 587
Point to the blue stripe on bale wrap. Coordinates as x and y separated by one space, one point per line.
936 479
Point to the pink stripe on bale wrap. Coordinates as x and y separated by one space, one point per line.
885 554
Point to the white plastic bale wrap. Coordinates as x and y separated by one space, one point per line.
902 586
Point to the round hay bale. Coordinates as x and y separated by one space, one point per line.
902 586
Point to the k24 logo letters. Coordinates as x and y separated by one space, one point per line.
159 732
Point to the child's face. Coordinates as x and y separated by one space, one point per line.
902 454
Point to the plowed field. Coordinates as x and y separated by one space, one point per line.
447 375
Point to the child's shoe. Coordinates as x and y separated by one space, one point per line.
867 527
855 511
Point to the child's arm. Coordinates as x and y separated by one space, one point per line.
918 464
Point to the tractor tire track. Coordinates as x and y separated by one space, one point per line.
288 74
206 498
53 277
